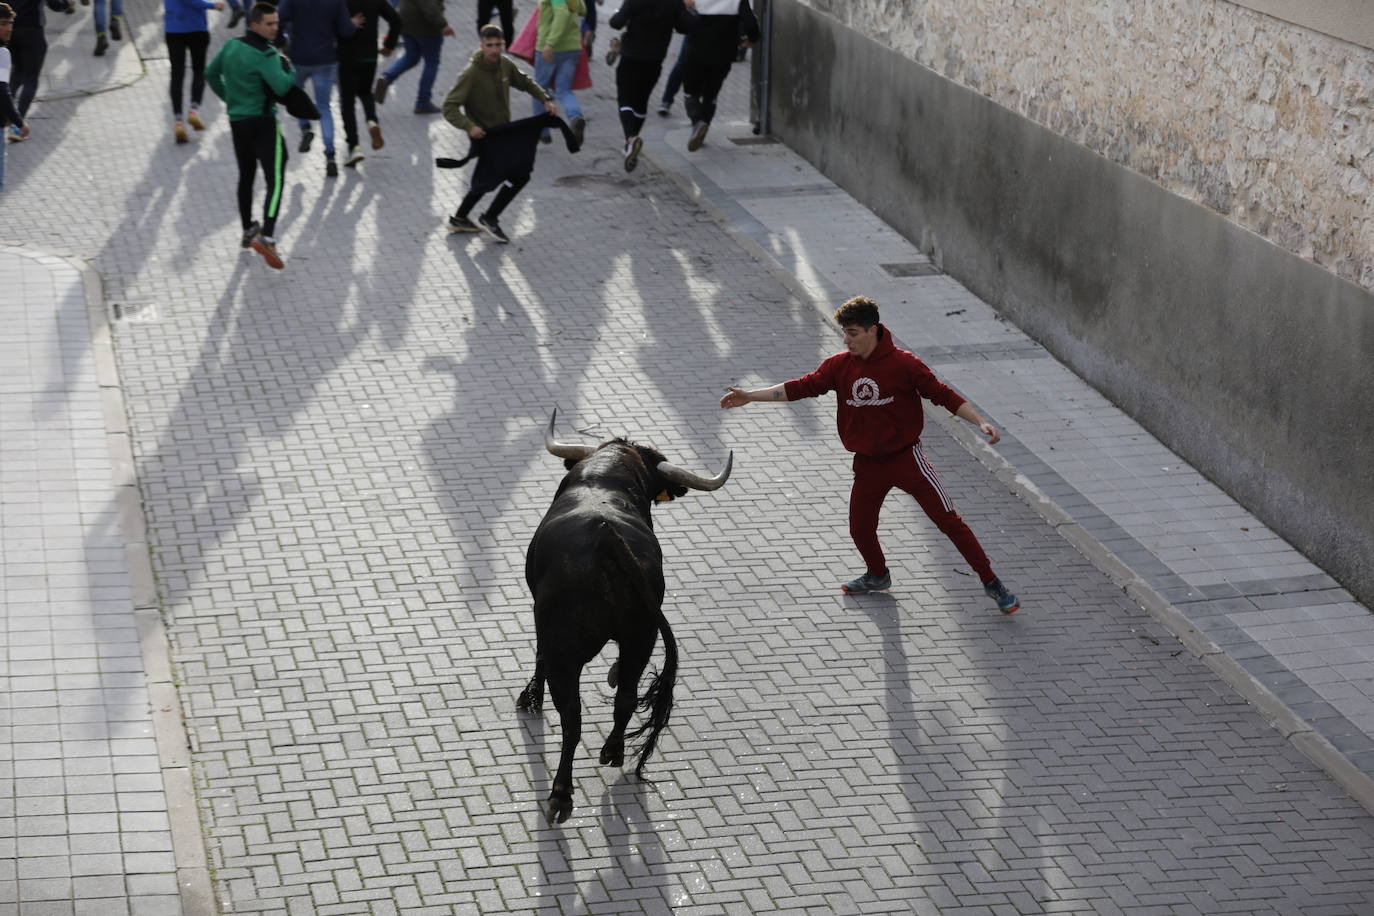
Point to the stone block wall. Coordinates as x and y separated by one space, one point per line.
1265 122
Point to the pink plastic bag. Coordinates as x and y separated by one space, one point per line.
523 48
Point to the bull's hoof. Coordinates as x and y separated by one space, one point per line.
613 756
613 676
558 808
529 703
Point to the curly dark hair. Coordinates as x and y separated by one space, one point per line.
860 311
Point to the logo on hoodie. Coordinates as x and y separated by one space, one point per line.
865 393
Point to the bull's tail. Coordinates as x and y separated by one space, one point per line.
658 699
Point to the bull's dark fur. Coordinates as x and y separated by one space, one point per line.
595 570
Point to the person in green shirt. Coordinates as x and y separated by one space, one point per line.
248 74
558 46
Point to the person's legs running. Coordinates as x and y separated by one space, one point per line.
177 49
410 56
431 49
352 86
246 157
198 43
322 87
507 11
28 49
674 83
270 149
565 69
916 475
469 201
871 486
504 195
543 75
634 84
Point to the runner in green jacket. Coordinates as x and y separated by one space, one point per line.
249 74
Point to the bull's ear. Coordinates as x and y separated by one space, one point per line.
670 493
570 463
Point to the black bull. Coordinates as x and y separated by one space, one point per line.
595 570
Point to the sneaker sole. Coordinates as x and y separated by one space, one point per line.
632 157
376 134
272 259
496 238
1011 610
863 591
698 138
461 230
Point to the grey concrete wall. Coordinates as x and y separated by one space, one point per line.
1254 364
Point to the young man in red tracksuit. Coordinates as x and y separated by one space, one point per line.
879 388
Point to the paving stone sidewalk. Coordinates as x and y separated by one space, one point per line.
341 464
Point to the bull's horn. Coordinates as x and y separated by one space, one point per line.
564 449
694 481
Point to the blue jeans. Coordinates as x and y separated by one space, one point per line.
102 23
417 48
560 75
675 76
321 78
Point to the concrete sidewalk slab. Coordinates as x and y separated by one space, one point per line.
1295 643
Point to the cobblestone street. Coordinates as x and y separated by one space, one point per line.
341 465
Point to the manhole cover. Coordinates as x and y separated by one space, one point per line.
602 183
912 269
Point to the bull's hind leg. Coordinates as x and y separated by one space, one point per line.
628 669
563 687
532 697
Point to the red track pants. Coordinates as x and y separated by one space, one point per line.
907 470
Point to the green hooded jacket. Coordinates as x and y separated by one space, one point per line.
481 95
248 74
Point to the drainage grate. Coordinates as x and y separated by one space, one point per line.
754 141
912 269
134 311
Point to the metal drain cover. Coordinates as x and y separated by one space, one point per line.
912 269
604 183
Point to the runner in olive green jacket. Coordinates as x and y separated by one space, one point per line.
481 99
248 74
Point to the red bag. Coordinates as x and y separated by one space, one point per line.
523 48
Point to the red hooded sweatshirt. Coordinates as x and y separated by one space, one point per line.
879 398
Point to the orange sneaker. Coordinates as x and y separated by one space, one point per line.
375 130
179 130
193 118
268 249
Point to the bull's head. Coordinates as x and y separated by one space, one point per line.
668 471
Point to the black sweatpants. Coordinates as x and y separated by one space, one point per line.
355 85
709 57
504 195
505 9
258 141
634 84
28 49
178 45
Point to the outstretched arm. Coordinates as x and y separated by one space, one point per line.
738 397
968 412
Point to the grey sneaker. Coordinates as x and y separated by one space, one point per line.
868 583
492 228
462 224
698 137
1006 601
